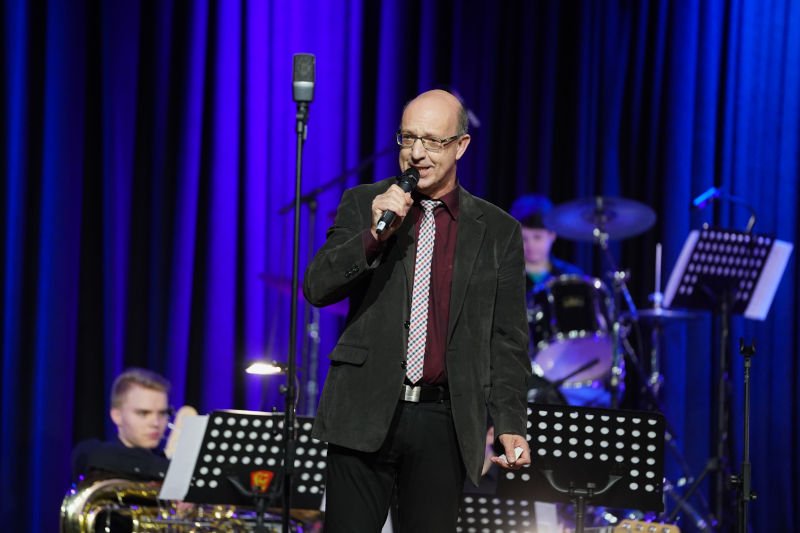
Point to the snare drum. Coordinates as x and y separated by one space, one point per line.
569 319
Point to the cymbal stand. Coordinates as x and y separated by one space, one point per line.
620 290
656 379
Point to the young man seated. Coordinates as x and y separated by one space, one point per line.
140 410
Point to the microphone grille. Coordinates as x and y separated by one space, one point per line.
303 77
303 67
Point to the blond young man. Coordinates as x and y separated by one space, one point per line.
140 410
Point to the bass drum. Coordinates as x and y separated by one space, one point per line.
569 319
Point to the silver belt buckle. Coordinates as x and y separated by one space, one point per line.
411 394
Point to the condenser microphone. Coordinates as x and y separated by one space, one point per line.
303 78
708 196
406 181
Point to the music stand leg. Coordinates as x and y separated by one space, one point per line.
722 415
580 512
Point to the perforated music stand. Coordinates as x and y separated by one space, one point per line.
718 263
481 512
586 455
217 452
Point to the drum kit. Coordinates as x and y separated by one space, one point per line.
578 330
578 333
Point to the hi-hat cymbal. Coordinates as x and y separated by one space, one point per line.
586 218
660 314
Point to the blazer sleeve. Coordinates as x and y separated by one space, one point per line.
342 261
510 366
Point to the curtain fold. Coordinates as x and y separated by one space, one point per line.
148 163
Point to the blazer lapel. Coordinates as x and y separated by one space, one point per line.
469 240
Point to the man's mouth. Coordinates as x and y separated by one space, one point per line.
423 171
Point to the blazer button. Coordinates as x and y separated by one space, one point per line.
403 364
407 324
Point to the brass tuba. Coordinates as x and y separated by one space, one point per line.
122 505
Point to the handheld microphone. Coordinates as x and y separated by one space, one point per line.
303 78
703 199
406 181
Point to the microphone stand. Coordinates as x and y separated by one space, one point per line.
743 481
289 431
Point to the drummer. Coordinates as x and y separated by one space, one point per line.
538 241
540 267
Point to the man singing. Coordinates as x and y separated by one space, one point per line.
435 341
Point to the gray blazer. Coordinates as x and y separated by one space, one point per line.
487 360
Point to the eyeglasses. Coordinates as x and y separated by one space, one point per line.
431 144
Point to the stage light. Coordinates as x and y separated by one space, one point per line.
264 368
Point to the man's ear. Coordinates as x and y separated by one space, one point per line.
463 142
116 416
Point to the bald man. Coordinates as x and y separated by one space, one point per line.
435 340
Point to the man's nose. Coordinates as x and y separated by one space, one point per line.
417 150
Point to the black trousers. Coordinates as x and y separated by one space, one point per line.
419 459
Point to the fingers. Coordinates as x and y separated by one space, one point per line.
517 452
395 200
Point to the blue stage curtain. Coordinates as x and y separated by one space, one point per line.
148 158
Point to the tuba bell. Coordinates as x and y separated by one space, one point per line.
120 505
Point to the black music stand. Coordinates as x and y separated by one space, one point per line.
718 266
236 457
483 512
588 455
729 272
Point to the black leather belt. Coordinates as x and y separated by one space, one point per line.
424 393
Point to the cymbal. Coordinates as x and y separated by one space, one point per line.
661 314
284 286
582 219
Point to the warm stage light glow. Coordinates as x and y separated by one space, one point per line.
263 368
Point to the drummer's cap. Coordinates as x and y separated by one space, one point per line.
530 210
